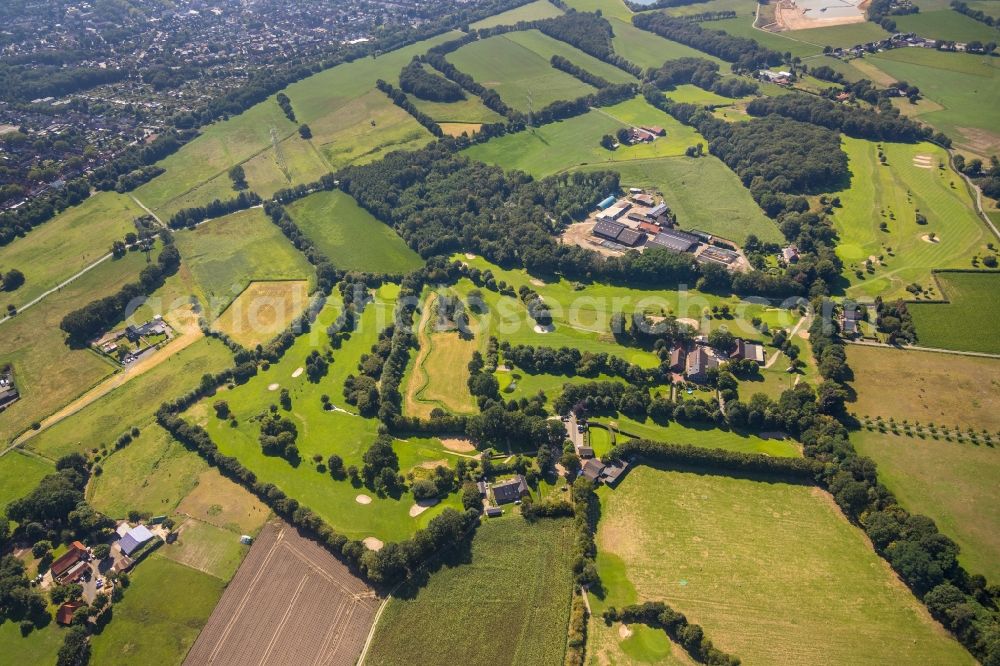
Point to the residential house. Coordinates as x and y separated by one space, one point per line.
750 350
510 491
699 361
64 615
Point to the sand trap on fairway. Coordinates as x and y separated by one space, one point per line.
624 631
537 282
421 506
923 161
372 543
469 255
458 444
693 323
544 329
298 371
273 387
363 499
927 239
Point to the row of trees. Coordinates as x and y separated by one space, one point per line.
690 636
745 54
136 158
574 70
41 209
191 217
416 80
700 72
400 99
975 14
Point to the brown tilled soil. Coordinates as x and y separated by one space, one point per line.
291 602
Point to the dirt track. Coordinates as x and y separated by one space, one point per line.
291 602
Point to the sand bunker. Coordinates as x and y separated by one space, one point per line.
273 387
537 282
693 323
458 444
927 239
923 161
544 329
298 371
372 543
363 499
469 255
624 631
421 506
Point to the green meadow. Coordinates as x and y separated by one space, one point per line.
912 181
692 94
969 322
924 473
647 49
841 35
511 600
349 236
946 24
288 162
39 648
703 192
470 111
743 27
65 245
773 572
323 432
224 255
512 64
19 474
533 11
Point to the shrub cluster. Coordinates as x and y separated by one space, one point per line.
416 80
690 636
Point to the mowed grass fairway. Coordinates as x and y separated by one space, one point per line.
964 87
47 372
224 255
440 372
955 483
163 611
263 311
929 387
323 432
19 474
516 71
969 322
773 572
911 182
350 237
704 194
55 251
511 601
134 403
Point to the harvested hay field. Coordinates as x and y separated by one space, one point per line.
263 310
927 387
291 602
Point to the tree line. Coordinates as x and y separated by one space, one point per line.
191 217
974 14
400 99
417 81
577 72
690 636
745 54
700 72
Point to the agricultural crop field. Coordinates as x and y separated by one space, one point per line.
226 254
288 620
533 11
349 236
65 245
924 474
969 322
912 181
48 373
161 615
263 311
963 87
946 24
324 432
133 403
703 193
511 598
926 387
773 572
508 64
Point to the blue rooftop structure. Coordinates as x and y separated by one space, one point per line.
607 202
134 538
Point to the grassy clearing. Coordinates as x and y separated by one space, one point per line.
924 474
440 371
841 35
704 193
350 237
206 548
970 322
150 475
19 474
912 181
964 87
576 141
947 24
39 648
772 571
134 403
263 311
692 94
533 11
67 244
323 432
161 615
647 49
743 27
546 47
48 373
516 71
227 254
928 387
467 111
289 161
511 600
218 501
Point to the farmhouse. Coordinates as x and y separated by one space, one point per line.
750 350
790 254
510 491
639 135
62 567
8 392
673 240
598 472
849 321
678 355
655 130
153 327
133 538
592 469
698 363
64 615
